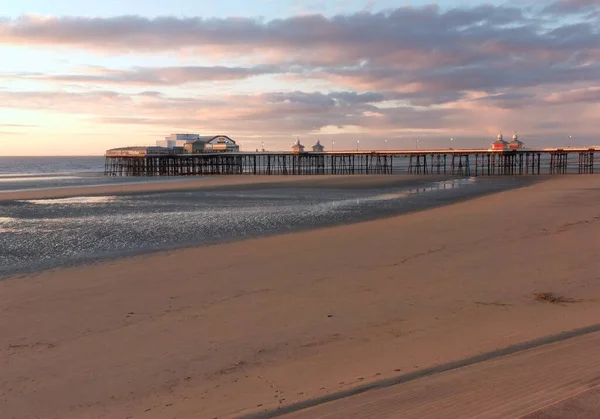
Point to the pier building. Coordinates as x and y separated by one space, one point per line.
177 140
297 147
318 147
500 144
516 144
219 143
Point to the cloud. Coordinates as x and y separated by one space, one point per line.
281 112
351 38
152 76
572 6
409 68
409 49
18 125
61 101
591 95
509 100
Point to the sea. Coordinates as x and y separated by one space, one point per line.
34 173
39 234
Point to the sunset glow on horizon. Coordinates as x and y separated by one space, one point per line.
75 83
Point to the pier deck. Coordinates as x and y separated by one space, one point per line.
467 162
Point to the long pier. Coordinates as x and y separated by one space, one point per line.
468 162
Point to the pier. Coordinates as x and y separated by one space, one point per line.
467 162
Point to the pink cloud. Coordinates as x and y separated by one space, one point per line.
591 95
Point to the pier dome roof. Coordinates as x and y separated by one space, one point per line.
318 147
297 147
500 140
516 143
499 144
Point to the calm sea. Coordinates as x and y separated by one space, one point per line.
24 173
15 166
34 173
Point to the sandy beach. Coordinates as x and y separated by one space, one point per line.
232 329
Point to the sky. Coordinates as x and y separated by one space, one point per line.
78 78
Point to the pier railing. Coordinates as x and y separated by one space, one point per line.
451 162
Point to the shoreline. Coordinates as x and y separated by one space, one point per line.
232 182
324 184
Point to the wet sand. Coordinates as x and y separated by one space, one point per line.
42 234
146 185
232 329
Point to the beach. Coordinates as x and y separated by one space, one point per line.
51 228
235 328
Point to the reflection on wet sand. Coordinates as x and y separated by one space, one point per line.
47 233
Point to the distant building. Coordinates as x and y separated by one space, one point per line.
220 143
194 147
297 147
208 144
177 140
515 144
318 147
500 144
139 151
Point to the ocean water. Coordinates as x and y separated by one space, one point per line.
18 173
14 166
31 173
49 233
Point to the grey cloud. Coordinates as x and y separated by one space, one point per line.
150 93
292 111
404 117
441 53
404 28
514 100
572 6
446 84
354 97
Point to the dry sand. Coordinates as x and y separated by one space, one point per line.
231 329
560 380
